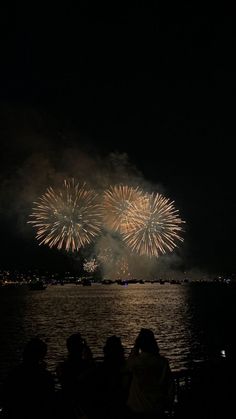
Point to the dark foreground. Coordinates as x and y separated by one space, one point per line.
206 392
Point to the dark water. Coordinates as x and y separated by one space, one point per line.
190 321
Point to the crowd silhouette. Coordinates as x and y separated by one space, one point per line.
140 386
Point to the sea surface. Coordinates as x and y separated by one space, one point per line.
190 321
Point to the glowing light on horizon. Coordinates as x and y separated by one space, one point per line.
68 218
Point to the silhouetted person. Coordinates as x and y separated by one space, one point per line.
152 387
29 388
113 379
113 351
71 374
106 384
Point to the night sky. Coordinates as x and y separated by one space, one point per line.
157 90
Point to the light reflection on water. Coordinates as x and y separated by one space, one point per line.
175 313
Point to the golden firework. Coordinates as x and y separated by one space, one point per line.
116 204
153 226
68 218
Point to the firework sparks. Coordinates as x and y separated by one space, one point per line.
116 203
90 265
69 218
105 256
154 226
122 268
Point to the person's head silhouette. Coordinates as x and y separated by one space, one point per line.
75 344
146 341
113 350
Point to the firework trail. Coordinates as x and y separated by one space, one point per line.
153 227
68 218
116 203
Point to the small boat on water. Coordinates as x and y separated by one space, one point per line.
86 283
37 286
107 282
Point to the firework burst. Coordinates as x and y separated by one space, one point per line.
122 268
68 218
105 256
116 204
154 226
90 265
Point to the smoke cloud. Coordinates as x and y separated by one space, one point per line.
36 158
